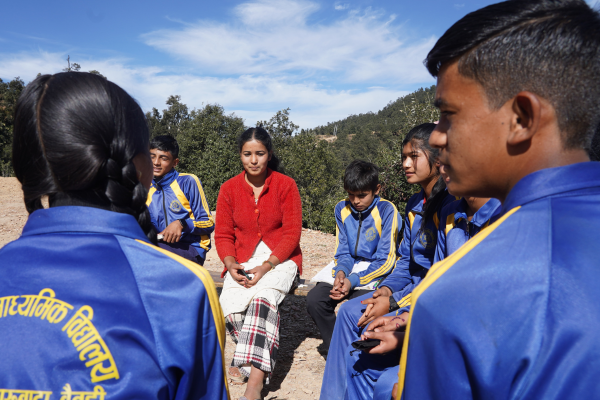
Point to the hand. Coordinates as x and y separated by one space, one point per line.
390 341
382 291
341 286
172 233
386 324
395 390
376 307
233 267
258 272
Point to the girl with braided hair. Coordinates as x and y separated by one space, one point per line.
88 305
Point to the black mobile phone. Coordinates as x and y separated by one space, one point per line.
245 274
365 344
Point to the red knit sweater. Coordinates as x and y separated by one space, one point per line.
276 219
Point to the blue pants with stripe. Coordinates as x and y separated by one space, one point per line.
371 376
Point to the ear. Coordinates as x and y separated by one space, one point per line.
377 190
270 156
525 119
175 162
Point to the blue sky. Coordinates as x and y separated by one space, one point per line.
323 59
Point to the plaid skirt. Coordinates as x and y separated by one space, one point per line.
256 335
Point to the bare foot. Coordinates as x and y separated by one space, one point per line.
255 384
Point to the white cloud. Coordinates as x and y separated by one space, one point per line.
249 96
339 6
459 6
275 36
270 56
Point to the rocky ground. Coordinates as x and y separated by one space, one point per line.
299 367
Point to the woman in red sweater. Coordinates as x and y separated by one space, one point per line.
258 239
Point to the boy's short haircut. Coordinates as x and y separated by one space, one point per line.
165 143
361 176
547 47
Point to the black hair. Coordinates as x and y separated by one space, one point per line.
75 137
547 47
418 137
165 143
595 147
361 176
260 135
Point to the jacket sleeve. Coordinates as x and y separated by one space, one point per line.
403 297
400 275
200 222
225 229
342 258
385 256
291 223
440 247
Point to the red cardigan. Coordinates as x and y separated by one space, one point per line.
276 219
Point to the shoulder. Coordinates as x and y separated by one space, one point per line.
414 201
449 199
450 208
232 183
150 263
386 206
282 180
188 178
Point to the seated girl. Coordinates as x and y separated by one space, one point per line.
257 236
91 308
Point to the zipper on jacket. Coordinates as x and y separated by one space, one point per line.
358 233
164 208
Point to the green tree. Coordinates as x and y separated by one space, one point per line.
9 94
313 165
207 141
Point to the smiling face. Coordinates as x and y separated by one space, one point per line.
471 137
162 162
416 165
255 158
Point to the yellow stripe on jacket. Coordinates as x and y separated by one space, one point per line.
390 262
213 298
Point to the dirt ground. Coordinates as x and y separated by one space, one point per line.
299 368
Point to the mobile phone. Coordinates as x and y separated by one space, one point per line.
365 344
246 274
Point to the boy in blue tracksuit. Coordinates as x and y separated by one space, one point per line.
177 204
366 240
513 314
417 252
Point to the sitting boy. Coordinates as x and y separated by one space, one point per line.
366 242
178 207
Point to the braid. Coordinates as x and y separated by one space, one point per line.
126 194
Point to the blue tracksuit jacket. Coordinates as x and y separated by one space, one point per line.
453 235
513 314
89 308
370 235
417 249
180 196
458 229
